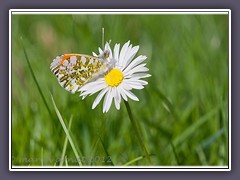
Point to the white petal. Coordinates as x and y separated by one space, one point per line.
94 89
121 92
131 55
100 50
83 97
106 46
124 85
135 85
116 98
90 85
125 72
138 75
94 54
133 80
142 69
114 92
117 105
99 97
131 95
107 101
123 53
137 69
134 63
116 52
104 102
110 102
127 55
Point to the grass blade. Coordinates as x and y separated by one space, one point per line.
106 152
66 132
206 143
42 157
192 129
66 162
35 80
65 143
175 154
136 159
137 130
201 156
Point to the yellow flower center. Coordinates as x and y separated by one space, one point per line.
114 77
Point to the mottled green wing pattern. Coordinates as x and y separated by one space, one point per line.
75 70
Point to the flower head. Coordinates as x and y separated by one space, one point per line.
122 73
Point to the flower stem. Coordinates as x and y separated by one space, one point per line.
137 130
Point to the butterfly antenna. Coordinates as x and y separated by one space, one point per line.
103 38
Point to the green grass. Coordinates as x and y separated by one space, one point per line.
182 112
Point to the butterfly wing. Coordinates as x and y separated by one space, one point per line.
75 70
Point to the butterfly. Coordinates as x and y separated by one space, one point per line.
75 70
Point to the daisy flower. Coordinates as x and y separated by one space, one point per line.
123 74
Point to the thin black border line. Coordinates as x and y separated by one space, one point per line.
95 168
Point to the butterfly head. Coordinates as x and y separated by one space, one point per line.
106 54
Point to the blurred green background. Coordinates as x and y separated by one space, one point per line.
182 112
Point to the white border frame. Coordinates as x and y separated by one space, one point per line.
120 11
